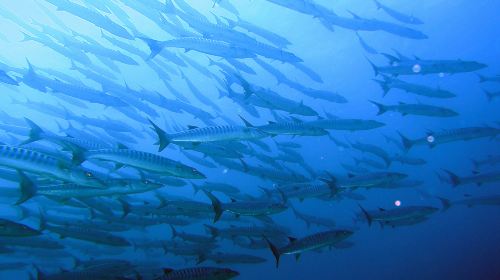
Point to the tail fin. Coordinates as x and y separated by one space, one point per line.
455 180
154 46
174 232
27 187
383 85
35 132
247 123
43 220
381 108
367 215
275 251
482 78
163 139
196 188
213 231
407 143
445 202
216 204
489 95
125 208
375 68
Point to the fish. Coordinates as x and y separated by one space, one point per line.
489 160
141 160
309 243
295 127
389 83
198 273
374 150
347 124
478 178
424 67
12 229
226 258
402 213
416 109
206 134
196 238
245 208
365 45
398 15
451 135
371 179
491 94
492 200
483 79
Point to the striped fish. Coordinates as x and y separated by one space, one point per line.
309 243
43 164
141 160
207 134
198 273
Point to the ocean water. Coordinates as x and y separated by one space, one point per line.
411 182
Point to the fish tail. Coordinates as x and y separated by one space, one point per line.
455 180
407 143
375 68
196 188
174 232
27 187
384 85
247 123
43 220
35 133
381 107
275 251
155 47
367 215
489 95
213 231
445 203
216 204
163 138
482 78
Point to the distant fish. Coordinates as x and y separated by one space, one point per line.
13 229
389 83
198 273
207 134
309 243
416 109
478 178
398 15
423 67
483 79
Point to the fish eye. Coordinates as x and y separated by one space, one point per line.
145 182
89 174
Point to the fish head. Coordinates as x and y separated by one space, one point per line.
226 273
189 172
343 234
87 178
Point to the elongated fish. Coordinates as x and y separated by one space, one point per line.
207 134
399 214
416 109
451 135
42 164
13 229
309 243
245 208
141 160
201 273
478 179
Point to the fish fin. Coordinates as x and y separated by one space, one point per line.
163 137
247 123
174 232
381 209
122 146
381 108
445 202
216 204
27 187
292 239
192 127
35 133
455 180
367 215
155 46
213 231
275 251
375 68
407 143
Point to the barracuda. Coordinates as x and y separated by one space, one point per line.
141 160
207 134
309 243
42 164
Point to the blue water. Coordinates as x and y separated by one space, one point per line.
456 243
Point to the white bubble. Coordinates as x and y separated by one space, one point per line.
416 68
430 139
225 171
397 203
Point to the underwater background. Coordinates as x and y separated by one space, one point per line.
138 136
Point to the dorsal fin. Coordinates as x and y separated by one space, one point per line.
292 239
192 127
233 200
381 209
